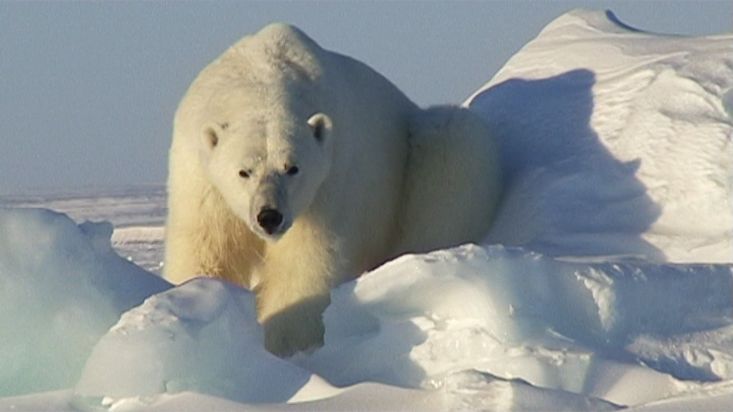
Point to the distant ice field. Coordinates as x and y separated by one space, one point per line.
136 212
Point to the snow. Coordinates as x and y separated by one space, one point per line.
516 314
606 283
198 336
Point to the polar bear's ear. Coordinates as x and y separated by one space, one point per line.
211 134
320 125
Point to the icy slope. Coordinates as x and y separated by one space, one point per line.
616 141
61 287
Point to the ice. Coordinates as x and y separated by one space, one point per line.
61 288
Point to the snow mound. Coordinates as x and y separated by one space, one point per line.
516 314
466 326
61 287
615 141
202 336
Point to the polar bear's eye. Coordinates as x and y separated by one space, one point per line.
211 137
292 170
244 174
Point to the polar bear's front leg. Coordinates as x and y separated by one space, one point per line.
294 290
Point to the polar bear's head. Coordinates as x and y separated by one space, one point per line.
268 163
264 135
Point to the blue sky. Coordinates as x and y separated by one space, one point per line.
88 89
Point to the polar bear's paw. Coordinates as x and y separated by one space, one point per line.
297 328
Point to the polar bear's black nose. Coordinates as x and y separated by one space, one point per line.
269 219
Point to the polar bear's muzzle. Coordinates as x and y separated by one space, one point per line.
270 220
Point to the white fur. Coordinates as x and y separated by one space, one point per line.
376 177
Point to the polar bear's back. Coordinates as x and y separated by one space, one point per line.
281 51
282 55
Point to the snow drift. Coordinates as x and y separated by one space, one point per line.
605 283
463 328
615 141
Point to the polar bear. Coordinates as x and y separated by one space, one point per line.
294 169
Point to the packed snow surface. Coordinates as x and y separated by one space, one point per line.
606 283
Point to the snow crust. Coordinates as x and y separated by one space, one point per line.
607 282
